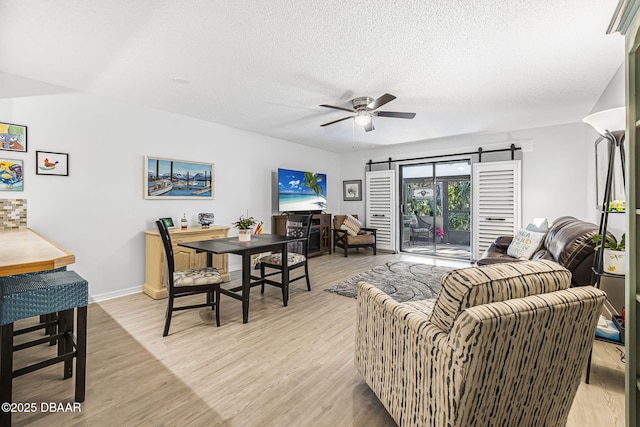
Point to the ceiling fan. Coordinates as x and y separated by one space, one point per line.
364 108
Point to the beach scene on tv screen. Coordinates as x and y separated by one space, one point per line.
301 191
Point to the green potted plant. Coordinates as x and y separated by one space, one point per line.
244 225
613 260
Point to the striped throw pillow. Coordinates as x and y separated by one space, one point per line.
351 225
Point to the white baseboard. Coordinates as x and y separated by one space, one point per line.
115 294
136 289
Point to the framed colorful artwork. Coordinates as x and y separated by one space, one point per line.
49 163
13 137
11 175
177 179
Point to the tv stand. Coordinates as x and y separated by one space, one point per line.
319 234
301 213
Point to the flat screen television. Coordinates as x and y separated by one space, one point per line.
300 191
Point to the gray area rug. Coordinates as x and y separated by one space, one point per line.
401 280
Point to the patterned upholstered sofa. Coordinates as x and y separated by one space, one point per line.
504 344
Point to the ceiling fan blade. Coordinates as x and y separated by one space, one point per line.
395 114
369 126
336 121
377 103
337 108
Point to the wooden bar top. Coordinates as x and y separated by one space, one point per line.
22 250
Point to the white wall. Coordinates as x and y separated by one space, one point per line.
99 213
555 180
612 97
613 94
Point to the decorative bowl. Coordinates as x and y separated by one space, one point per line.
205 219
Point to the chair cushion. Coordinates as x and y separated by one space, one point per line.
351 225
197 276
361 239
468 287
28 295
276 259
424 306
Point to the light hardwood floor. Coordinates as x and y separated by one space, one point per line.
289 366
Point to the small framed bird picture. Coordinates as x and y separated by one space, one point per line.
48 163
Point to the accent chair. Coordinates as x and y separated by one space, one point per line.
353 236
504 345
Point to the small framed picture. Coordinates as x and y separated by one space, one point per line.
11 175
168 222
352 190
13 137
49 163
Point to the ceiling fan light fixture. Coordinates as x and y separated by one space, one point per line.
362 118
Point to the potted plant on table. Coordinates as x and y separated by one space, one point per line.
244 226
613 260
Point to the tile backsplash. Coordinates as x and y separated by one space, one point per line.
13 213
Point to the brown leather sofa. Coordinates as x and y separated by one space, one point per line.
568 242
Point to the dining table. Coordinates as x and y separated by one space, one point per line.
259 243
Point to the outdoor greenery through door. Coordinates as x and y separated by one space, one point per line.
436 208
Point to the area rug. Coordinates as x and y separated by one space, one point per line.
401 280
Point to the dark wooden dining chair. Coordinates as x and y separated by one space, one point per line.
188 282
297 254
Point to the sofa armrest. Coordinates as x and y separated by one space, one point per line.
369 230
398 352
503 242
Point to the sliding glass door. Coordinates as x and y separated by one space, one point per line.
436 208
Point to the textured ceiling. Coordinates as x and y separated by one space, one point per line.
264 66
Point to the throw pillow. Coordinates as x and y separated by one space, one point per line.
351 225
525 243
540 225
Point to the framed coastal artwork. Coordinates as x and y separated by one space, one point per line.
11 175
177 179
352 190
13 137
49 163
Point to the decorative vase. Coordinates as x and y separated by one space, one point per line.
614 262
244 235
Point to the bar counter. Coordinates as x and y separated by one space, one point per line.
22 250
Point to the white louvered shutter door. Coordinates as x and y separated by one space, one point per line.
496 202
380 195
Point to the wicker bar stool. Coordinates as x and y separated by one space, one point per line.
53 297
